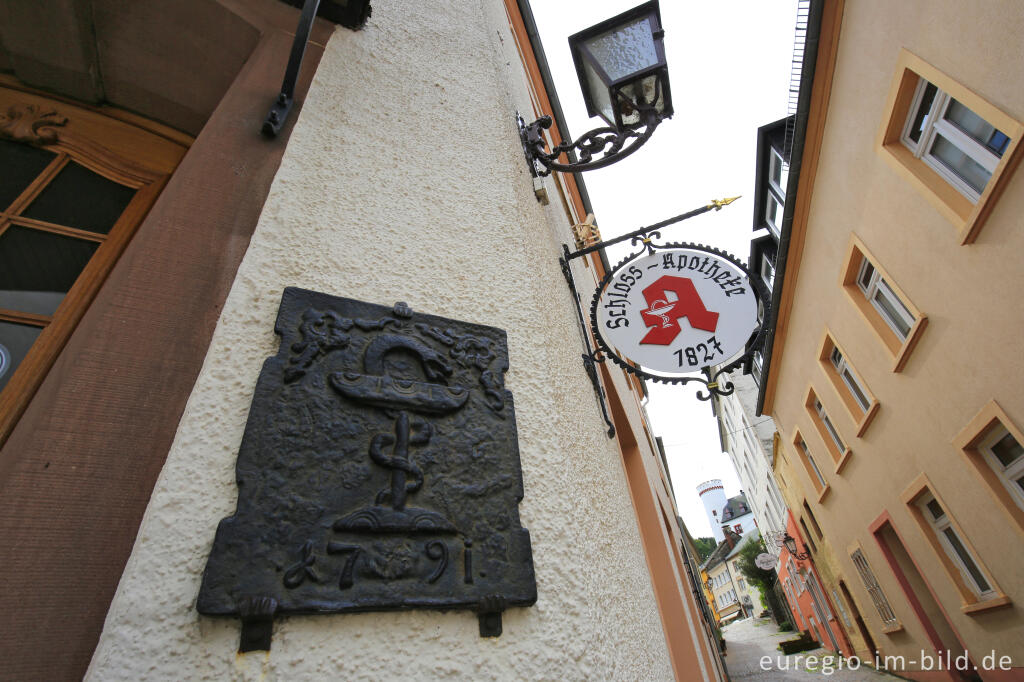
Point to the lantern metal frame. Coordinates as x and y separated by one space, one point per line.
582 57
789 542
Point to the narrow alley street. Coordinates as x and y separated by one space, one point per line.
753 654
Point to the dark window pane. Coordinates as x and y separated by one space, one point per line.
865 275
922 111
37 268
19 166
1007 450
15 340
998 142
967 560
79 198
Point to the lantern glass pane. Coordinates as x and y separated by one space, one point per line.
625 49
646 88
599 94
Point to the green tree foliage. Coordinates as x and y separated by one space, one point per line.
704 546
758 577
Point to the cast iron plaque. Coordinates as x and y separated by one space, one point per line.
379 469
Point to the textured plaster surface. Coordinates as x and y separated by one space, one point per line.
404 180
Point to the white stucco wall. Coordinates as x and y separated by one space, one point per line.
404 180
749 446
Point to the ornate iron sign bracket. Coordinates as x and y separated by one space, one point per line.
591 356
379 470
644 238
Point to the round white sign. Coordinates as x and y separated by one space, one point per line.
676 310
765 561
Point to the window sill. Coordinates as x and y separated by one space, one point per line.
843 459
890 629
824 493
989 604
868 417
910 343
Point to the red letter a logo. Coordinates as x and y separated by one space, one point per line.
662 314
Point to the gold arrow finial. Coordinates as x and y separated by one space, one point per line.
717 204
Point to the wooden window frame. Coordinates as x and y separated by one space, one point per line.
899 349
973 602
818 481
834 442
966 216
808 538
134 153
970 443
841 607
862 418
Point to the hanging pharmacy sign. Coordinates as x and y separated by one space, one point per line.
675 310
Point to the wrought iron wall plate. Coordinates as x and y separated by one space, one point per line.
379 470
710 382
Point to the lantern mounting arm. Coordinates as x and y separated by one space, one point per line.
610 143
789 542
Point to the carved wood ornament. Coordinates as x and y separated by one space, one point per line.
29 124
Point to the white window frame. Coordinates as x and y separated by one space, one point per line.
943 528
777 163
796 575
767 271
878 598
829 426
1007 474
846 373
876 286
935 125
773 218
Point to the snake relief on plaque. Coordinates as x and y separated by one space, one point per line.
379 470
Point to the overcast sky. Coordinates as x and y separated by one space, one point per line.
729 67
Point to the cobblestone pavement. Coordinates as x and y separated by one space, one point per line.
747 641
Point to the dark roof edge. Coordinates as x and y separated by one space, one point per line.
556 106
796 161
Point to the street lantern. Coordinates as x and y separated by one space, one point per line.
790 542
621 67
620 63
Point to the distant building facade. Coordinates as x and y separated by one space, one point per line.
722 512
749 442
